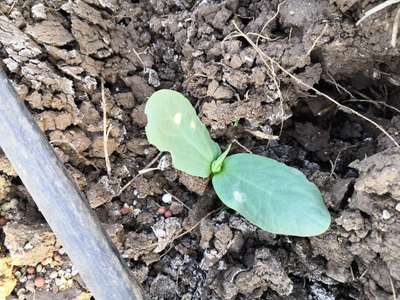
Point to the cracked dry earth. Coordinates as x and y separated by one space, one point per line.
178 239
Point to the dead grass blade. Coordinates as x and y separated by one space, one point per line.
376 9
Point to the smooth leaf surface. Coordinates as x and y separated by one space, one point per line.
173 126
271 195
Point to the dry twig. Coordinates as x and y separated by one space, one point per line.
269 22
106 130
316 40
145 170
395 29
12 7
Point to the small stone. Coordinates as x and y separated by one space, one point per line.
385 215
23 279
53 275
39 12
30 270
125 210
3 221
28 246
168 214
397 207
167 198
60 281
39 268
165 162
162 210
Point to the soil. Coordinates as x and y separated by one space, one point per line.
177 238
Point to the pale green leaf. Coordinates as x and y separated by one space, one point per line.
173 126
271 195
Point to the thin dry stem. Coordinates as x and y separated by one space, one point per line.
145 170
354 99
395 30
392 287
269 22
194 226
376 103
376 9
271 73
342 107
316 40
12 7
240 145
106 130
177 200
140 59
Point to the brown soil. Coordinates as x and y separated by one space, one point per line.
56 53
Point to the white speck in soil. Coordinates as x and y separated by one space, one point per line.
385 215
167 198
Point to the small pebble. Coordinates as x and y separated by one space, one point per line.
397 207
23 279
386 214
168 214
28 246
166 198
39 268
39 12
125 210
3 221
39 281
30 270
53 274
60 281
161 210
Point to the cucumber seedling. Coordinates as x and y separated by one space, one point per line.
275 197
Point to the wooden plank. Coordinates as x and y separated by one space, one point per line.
61 203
